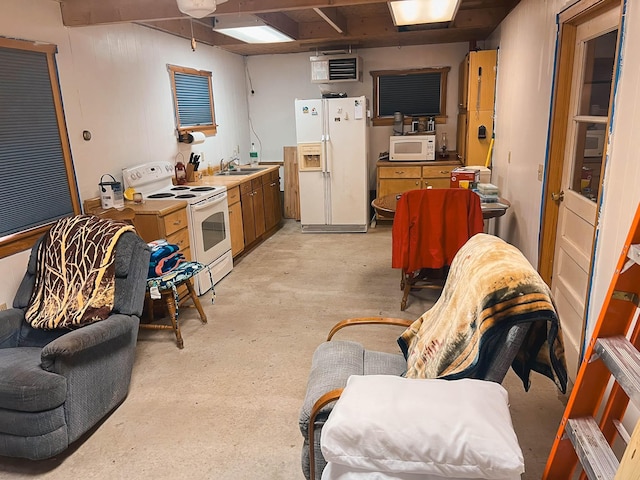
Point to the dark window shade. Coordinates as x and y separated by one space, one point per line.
34 187
411 94
194 102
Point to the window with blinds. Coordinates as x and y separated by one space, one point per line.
37 185
414 93
193 100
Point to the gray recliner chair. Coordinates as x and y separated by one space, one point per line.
57 384
493 299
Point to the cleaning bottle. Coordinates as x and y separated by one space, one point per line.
253 155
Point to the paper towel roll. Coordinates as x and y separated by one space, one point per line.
196 137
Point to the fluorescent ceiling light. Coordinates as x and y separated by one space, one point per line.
414 12
249 28
257 34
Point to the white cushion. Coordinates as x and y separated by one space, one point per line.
335 471
450 428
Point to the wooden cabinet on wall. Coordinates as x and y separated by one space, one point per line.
235 221
476 99
252 199
398 177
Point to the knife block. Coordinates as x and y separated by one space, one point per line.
190 173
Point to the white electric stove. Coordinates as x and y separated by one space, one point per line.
207 212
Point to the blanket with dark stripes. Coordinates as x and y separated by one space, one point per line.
490 287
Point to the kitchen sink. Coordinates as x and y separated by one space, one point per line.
244 171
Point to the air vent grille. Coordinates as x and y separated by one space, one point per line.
336 68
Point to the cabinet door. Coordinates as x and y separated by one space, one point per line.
463 83
482 80
258 210
437 182
477 148
235 225
398 185
461 138
248 222
272 214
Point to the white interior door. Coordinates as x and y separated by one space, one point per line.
595 53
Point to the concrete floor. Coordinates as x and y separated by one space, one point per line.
226 407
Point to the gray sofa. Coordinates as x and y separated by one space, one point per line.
57 384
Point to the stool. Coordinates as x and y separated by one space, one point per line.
167 287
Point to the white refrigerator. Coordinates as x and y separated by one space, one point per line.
333 173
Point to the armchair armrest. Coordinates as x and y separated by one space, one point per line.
10 321
401 322
82 339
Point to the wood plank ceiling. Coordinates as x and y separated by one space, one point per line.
315 25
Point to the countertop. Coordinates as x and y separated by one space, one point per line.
164 207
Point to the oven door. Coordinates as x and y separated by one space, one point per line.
210 238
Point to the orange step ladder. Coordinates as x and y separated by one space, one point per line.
612 352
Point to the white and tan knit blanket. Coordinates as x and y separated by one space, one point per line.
75 277
490 287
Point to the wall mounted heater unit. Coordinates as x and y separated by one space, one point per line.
336 68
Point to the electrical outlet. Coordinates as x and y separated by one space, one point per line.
540 172
201 160
3 306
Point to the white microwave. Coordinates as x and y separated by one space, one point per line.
412 148
594 143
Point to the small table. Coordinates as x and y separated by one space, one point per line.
385 207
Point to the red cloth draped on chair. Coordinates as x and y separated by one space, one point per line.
429 227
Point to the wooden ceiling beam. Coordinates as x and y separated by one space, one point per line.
202 33
333 17
77 13
281 22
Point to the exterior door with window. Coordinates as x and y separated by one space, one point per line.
582 175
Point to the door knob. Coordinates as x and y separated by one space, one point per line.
557 197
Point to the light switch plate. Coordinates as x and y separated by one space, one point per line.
540 172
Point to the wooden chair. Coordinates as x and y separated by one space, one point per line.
429 227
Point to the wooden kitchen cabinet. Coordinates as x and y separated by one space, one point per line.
399 177
272 208
235 221
169 223
252 200
476 99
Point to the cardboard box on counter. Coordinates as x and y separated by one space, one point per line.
462 177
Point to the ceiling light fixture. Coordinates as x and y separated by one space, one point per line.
249 29
198 8
415 12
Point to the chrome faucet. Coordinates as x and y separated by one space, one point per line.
224 166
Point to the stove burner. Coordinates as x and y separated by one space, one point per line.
161 195
185 195
202 189
180 188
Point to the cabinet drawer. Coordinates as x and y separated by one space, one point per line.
180 238
245 187
399 172
175 221
435 171
233 195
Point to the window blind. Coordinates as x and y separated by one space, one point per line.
194 103
412 94
34 188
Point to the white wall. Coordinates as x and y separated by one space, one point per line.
115 84
279 79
